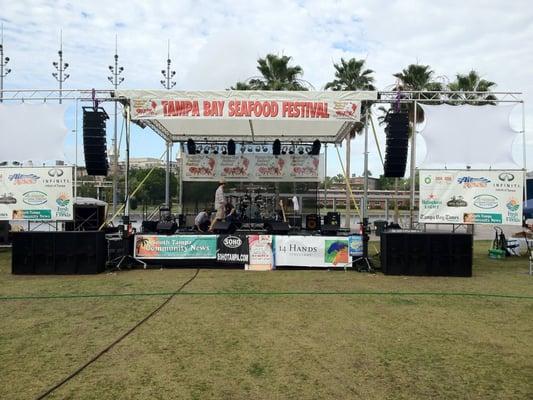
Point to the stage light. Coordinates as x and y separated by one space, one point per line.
206 149
265 149
276 147
224 150
250 149
300 150
3 163
291 149
308 149
284 150
215 150
257 149
199 149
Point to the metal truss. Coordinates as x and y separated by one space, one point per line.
447 96
44 95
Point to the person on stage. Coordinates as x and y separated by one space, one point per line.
220 202
202 221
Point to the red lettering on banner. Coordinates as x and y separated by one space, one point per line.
180 108
304 109
213 108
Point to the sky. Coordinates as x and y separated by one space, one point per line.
215 44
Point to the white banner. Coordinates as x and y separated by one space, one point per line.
261 257
471 196
246 105
253 167
36 194
311 251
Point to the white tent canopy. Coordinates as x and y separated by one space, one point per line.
247 115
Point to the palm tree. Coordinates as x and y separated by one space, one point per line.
352 75
276 74
471 82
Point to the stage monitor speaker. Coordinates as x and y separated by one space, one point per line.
94 141
397 132
191 146
166 227
276 147
315 148
329 230
231 147
224 227
312 222
277 227
4 232
295 221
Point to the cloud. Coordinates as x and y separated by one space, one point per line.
215 44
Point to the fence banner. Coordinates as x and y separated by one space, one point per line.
261 257
232 249
36 193
471 196
311 251
176 247
253 167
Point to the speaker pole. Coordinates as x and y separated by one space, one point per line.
126 178
413 165
76 155
167 175
363 263
180 172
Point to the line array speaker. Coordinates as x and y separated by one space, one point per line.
397 131
94 141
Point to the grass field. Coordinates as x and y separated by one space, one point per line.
291 335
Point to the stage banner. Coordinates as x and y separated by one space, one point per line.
355 244
232 249
261 256
176 247
36 193
311 251
253 167
471 196
247 105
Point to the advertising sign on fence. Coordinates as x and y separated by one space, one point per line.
471 196
261 257
232 249
176 247
311 251
355 243
36 193
253 167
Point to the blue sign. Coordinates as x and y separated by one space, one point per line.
355 244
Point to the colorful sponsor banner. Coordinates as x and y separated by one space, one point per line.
176 246
355 244
311 251
471 196
252 105
261 256
253 167
232 249
36 193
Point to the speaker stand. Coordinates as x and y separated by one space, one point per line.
122 259
363 263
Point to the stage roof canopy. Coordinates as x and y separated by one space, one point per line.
247 115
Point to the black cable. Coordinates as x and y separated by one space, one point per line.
96 357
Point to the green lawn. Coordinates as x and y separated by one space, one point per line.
206 345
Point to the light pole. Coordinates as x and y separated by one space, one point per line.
60 67
115 81
168 84
3 70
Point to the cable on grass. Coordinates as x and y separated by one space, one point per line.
109 347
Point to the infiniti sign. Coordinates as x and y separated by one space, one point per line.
55 172
506 177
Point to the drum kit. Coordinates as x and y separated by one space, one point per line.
255 204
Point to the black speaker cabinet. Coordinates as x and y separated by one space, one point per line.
87 217
94 141
312 222
277 227
426 253
58 252
329 230
397 131
224 227
166 227
332 218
